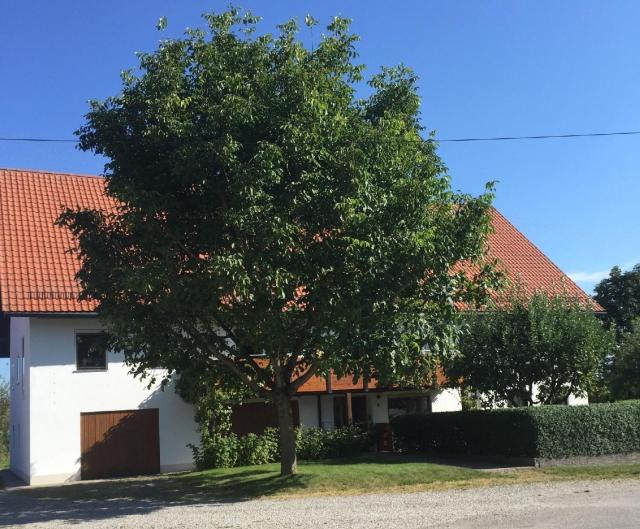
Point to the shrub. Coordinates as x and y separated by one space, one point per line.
545 432
315 443
254 449
216 451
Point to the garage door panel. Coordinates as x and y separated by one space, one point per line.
119 443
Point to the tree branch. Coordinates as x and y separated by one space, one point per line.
296 384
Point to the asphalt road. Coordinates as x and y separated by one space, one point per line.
563 505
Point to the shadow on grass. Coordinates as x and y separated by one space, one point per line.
97 500
86 501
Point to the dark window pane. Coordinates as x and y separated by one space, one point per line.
91 351
405 405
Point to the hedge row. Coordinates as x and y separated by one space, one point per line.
546 431
258 449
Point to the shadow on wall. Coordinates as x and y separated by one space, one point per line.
126 442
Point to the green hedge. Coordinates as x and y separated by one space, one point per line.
252 449
546 431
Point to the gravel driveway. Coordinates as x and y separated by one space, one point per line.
566 505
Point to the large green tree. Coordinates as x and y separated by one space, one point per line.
271 224
527 351
619 294
624 375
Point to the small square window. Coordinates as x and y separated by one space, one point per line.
91 351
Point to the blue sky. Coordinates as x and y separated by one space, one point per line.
491 68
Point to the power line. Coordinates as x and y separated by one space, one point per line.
430 140
542 137
58 140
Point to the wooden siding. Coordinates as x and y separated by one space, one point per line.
254 417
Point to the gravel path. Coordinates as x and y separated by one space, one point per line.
566 505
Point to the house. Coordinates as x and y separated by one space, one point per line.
76 412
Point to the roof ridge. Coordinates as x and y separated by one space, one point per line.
48 172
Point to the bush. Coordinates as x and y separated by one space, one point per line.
315 443
216 451
545 432
258 449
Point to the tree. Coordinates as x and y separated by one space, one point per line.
625 371
619 294
269 223
532 351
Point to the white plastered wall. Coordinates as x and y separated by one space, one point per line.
445 400
308 408
378 407
59 393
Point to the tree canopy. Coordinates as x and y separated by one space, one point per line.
269 222
619 294
532 351
624 377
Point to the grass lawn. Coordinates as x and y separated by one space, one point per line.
363 475
334 477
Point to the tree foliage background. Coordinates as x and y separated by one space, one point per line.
624 377
619 294
537 350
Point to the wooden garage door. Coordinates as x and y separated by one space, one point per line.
119 443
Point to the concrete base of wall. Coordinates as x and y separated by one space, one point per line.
53 479
57 479
540 462
180 467
608 459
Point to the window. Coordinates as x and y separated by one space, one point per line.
404 405
91 351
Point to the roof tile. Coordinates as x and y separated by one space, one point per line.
37 273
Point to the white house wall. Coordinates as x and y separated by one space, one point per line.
19 396
308 408
378 406
445 400
59 393
326 404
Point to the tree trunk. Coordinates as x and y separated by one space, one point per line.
287 444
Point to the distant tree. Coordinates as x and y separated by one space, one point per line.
532 351
269 222
619 294
625 369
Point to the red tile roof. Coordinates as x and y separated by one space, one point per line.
527 266
37 273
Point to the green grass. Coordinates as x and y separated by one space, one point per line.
333 477
364 475
4 459
630 471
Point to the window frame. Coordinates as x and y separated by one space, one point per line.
89 332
